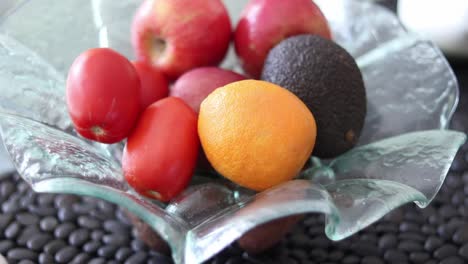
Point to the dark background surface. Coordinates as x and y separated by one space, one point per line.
44 228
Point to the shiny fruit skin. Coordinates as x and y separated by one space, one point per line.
160 155
102 95
264 23
255 133
195 85
154 85
178 35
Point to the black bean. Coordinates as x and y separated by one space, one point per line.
12 230
25 201
6 189
350 259
53 246
48 223
447 211
66 254
458 198
5 220
107 251
82 208
445 231
410 246
65 200
452 260
26 261
412 236
365 249
387 228
22 187
11 206
159 260
6 245
42 210
122 217
409 227
335 255
299 254
97 234
80 258
445 251
26 234
27 219
64 230
89 222
428 230
66 214
100 215
45 258
123 253
419 257
139 257
106 206
78 237
461 235
138 245
372 238
21 253
388 241
463 251
238 260
318 254
435 220
115 239
372 260
45 199
432 243
91 246
38 241
113 226
97 261
395 256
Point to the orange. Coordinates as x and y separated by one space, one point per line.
255 133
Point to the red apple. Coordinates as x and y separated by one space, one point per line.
154 85
178 35
194 86
264 23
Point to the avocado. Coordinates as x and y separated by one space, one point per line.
327 79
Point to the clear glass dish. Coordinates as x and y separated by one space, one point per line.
403 156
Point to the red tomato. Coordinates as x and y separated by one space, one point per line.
103 95
161 153
154 85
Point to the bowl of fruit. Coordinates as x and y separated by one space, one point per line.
214 121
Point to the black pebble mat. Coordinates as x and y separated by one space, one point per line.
46 228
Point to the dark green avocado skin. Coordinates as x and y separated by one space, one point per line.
327 79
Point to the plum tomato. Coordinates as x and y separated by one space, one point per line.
161 152
103 95
154 85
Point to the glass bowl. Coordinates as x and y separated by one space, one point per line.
403 155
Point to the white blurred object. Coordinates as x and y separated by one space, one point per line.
3 260
443 21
